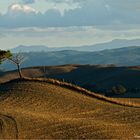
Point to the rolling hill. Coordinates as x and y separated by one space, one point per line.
97 78
128 56
36 109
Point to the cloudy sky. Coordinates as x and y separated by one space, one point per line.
59 23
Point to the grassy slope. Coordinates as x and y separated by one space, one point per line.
37 72
46 110
103 76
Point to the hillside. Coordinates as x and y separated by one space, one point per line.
128 56
34 109
99 78
36 72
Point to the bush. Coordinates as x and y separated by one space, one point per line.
118 89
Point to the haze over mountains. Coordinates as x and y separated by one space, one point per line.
127 56
117 43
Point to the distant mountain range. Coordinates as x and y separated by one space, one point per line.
23 48
127 56
118 43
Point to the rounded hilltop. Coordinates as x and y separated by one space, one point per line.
49 108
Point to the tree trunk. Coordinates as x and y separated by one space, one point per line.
19 71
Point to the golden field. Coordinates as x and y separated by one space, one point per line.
49 109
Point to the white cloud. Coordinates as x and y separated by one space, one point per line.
75 13
22 8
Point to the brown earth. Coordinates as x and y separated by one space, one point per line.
32 109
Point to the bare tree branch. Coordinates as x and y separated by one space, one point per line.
18 59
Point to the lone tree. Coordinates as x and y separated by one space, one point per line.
18 59
4 55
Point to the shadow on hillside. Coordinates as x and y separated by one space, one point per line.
100 78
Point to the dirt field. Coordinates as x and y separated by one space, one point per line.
32 110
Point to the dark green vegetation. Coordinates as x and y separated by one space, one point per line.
103 79
4 55
17 59
49 109
122 57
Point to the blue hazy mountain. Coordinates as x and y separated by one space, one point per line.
127 56
118 43
23 48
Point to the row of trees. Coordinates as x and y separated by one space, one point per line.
16 59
